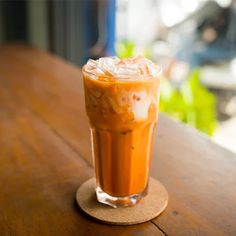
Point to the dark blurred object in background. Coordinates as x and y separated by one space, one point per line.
214 39
14 22
100 28
73 29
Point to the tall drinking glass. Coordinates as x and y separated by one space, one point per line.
121 99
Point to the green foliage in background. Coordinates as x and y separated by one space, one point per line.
191 103
125 49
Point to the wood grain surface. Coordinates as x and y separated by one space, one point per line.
45 155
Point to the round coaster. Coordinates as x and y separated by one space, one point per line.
148 208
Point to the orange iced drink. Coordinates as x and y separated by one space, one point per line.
121 98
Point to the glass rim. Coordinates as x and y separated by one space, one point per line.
144 79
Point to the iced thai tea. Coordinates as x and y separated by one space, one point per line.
121 98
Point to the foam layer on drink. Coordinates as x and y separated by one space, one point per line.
113 68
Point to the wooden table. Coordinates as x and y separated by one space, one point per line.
45 155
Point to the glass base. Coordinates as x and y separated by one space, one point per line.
119 201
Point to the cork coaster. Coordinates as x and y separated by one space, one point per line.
148 208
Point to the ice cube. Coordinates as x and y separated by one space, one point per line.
128 68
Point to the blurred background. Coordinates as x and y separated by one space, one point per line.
194 40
